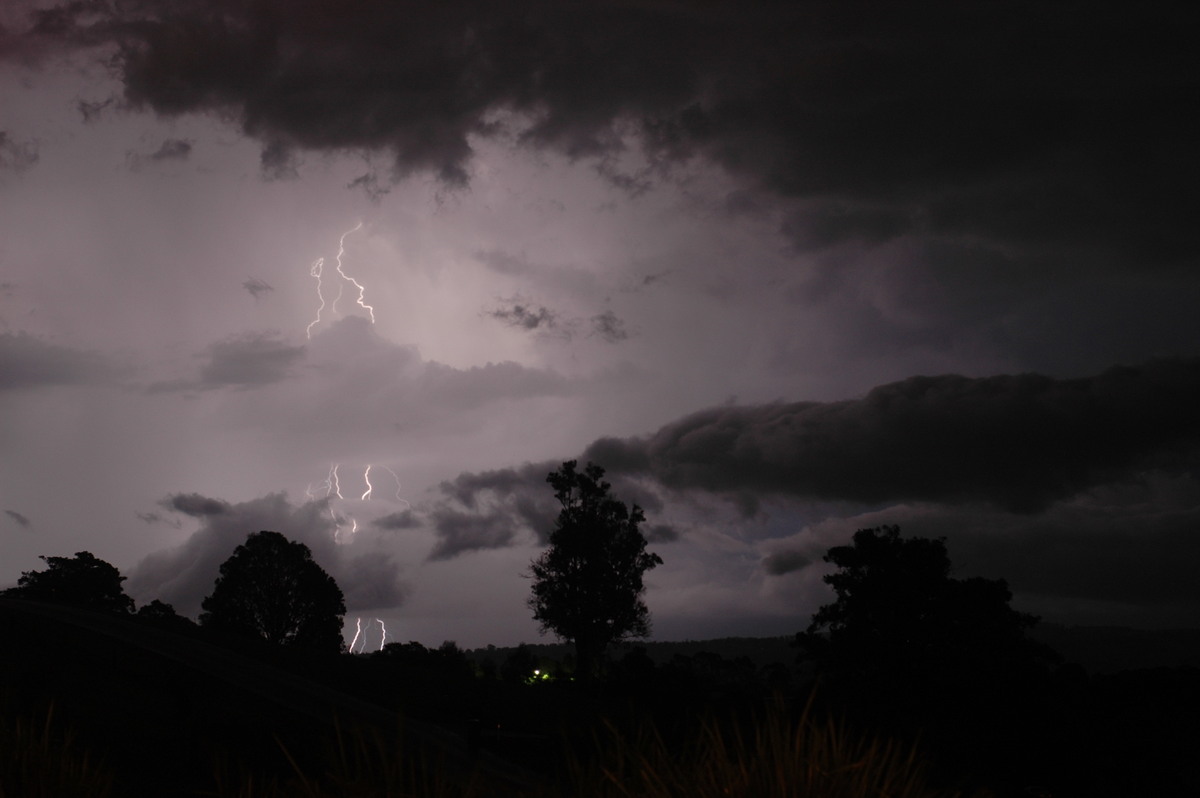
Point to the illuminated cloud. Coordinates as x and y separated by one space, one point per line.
184 575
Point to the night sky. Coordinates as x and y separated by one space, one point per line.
785 269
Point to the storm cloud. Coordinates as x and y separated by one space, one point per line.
704 245
904 118
488 509
183 576
16 156
169 150
1019 442
27 361
522 315
195 505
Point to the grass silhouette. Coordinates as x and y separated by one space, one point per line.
777 756
41 758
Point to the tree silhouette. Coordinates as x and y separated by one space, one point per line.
83 580
271 588
587 586
904 638
162 614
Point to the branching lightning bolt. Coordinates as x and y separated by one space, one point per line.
383 629
357 284
333 489
357 632
317 270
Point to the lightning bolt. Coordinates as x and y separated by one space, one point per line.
317 267
357 632
345 525
357 284
383 629
399 498
334 484
317 270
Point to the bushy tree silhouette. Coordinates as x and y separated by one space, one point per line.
906 643
272 589
83 580
587 586
161 614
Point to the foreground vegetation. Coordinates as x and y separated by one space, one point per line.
778 756
132 709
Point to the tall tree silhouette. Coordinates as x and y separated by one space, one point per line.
271 588
587 586
83 580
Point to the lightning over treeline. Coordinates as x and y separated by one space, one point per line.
318 270
359 640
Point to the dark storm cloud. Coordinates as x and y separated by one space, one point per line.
459 533
371 184
195 505
256 287
184 575
785 562
172 150
661 533
169 150
1047 123
21 520
487 509
278 161
27 361
1018 442
16 156
405 519
523 315
91 111
157 518
251 360
608 327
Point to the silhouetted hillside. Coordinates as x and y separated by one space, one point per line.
1109 649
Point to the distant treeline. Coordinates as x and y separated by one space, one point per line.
761 651
1099 649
